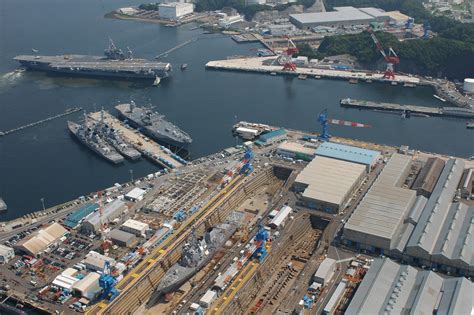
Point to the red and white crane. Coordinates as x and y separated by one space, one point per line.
391 58
285 57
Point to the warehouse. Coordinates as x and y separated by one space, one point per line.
111 211
340 17
327 184
280 218
336 298
428 176
295 151
349 154
74 219
88 286
96 262
325 271
391 288
135 227
271 137
39 241
122 238
380 215
466 184
64 282
175 10
6 254
136 194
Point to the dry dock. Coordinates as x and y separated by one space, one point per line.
262 65
430 111
148 148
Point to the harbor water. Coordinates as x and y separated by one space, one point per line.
45 162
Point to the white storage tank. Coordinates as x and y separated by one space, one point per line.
468 85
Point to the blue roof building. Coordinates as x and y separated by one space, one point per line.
73 219
348 153
271 137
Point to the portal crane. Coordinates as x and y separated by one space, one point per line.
107 283
325 121
391 58
247 167
287 54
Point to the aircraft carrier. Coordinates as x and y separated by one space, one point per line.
196 254
93 141
154 125
114 64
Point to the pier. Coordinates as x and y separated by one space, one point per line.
39 122
150 149
164 54
264 65
391 107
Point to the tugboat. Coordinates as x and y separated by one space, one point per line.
184 66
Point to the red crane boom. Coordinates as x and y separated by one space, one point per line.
391 59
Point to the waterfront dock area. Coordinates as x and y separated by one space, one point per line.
147 147
263 65
391 107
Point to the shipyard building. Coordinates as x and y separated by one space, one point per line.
327 184
111 211
175 10
36 243
391 288
349 154
433 232
340 17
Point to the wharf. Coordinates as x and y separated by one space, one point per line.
430 111
262 65
42 121
148 148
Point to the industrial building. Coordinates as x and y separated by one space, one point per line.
391 288
295 151
96 262
434 232
340 17
39 241
428 176
136 194
280 218
88 286
75 218
111 211
208 298
6 254
325 271
336 297
271 137
122 238
468 86
379 216
175 10
466 185
348 153
327 184
135 227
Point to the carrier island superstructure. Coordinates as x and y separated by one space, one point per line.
114 64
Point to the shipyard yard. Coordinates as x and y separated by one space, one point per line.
304 238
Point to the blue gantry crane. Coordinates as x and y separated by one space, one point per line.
107 283
247 167
325 121
260 240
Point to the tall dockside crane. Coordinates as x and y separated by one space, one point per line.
391 58
325 121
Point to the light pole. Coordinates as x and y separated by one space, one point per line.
42 202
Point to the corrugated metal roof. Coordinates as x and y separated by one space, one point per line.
111 210
91 280
121 236
329 180
73 219
281 216
347 153
325 269
341 14
135 225
42 238
272 134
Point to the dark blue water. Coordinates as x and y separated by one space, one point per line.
44 161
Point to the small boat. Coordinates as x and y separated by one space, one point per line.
317 77
368 81
470 124
273 73
34 50
302 76
184 66
412 85
20 70
393 83
157 81
439 98
353 81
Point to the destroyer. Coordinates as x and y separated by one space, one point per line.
154 125
93 141
115 64
196 254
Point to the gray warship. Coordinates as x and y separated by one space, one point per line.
154 125
196 254
91 139
112 137
114 64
